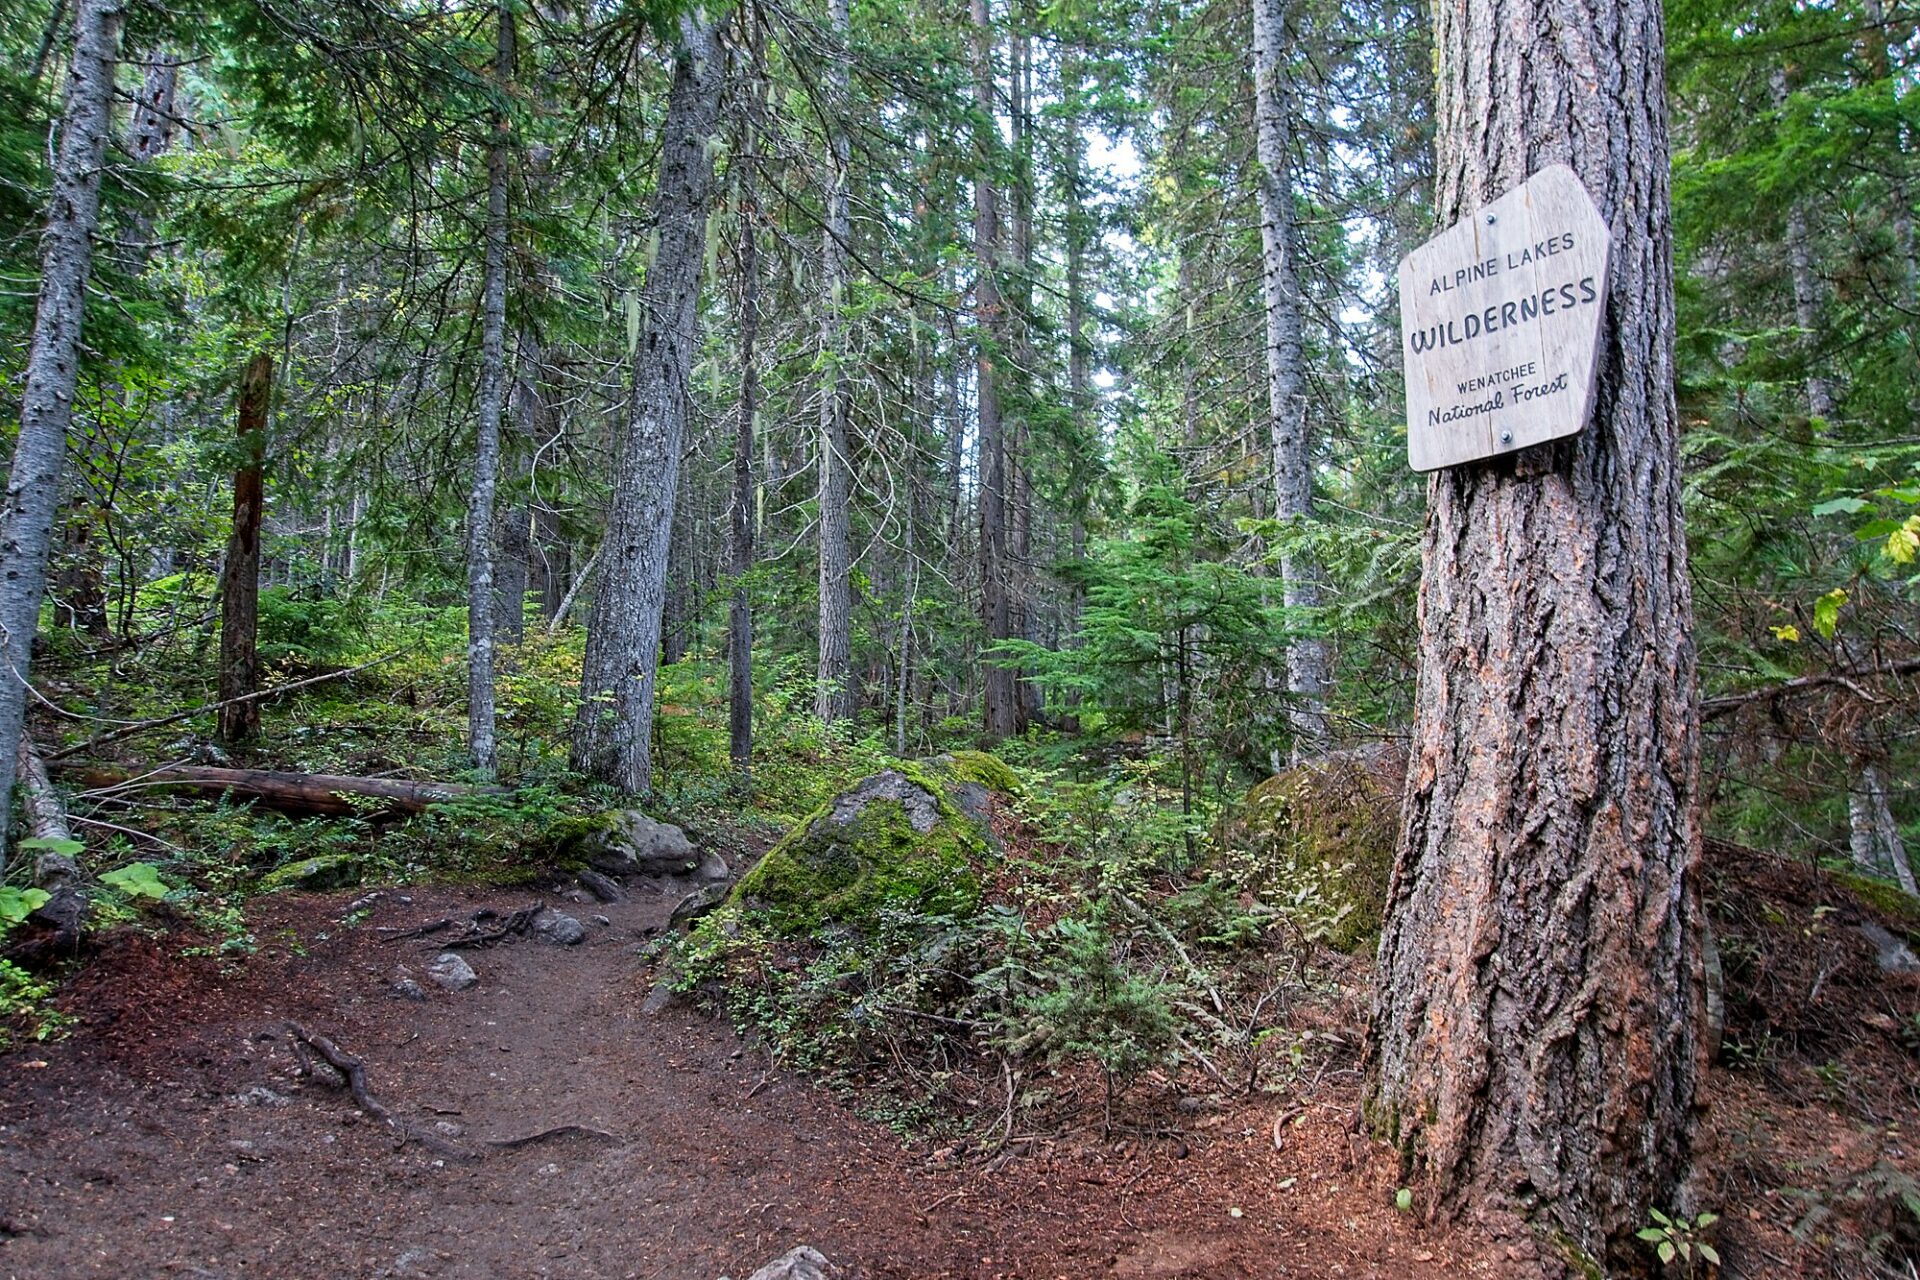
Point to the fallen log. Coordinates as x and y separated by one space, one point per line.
303 793
54 870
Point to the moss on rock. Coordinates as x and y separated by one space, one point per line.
981 767
1325 831
328 871
896 840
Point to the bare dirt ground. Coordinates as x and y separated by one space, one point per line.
170 1136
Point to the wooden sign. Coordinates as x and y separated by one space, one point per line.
1500 324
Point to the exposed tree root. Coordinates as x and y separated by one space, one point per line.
515 925
354 1072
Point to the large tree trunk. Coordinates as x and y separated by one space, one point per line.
1537 1037
1001 703
53 360
833 697
481 746
1286 369
610 736
240 575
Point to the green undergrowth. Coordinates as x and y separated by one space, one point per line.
1100 938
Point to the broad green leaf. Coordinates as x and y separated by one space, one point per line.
137 879
17 904
1904 541
1826 612
44 844
1789 633
1666 1251
1706 1219
1710 1254
1838 506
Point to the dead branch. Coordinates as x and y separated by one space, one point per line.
316 793
1847 678
141 726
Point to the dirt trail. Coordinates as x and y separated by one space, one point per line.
167 1137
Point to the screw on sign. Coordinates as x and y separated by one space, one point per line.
1500 324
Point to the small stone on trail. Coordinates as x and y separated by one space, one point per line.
657 999
802 1263
449 1128
452 971
603 922
259 1095
603 887
408 989
561 930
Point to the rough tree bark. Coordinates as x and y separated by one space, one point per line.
481 746
1537 1037
833 691
240 575
1000 704
53 361
740 510
513 527
611 732
1286 369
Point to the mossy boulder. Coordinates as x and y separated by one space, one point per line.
328 871
1322 835
907 838
626 842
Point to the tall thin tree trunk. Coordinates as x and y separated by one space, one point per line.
740 515
1079 347
481 746
53 360
833 696
1286 370
240 575
611 735
79 585
1000 702
513 527
1805 283
1538 1022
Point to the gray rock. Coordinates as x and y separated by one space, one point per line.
258 1095
802 1263
657 1000
408 989
1890 950
712 869
700 902
448 1129
605 922
632 844
561 930
603 887
451 970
